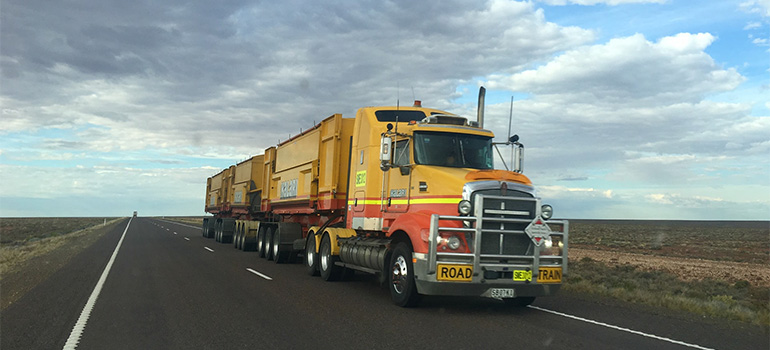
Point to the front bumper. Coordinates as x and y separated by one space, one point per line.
427 284
492 260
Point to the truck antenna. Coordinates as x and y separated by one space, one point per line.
510 118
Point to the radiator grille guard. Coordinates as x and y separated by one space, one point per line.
500 223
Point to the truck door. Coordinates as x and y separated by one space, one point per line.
397 180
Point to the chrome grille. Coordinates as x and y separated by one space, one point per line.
503 220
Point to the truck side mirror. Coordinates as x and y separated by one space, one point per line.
385 156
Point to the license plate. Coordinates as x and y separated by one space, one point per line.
549 275
454 272
502 293
522 275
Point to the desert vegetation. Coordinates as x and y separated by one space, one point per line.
24 238
714 269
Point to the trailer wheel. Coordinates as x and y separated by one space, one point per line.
241 236
311 257
235 236
248 244
279 256
329 271
403 290
519 302
261 241
269 243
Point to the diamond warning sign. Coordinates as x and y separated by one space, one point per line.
537 230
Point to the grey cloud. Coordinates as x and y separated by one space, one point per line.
63 144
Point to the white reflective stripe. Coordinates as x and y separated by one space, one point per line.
80 325
621 328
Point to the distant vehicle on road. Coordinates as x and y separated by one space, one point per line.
134 213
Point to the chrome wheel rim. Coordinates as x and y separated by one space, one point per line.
400 274
309 254
324 258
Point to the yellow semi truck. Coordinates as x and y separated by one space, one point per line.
409 193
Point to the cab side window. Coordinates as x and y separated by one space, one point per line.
401 153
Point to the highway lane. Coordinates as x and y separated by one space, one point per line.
167 290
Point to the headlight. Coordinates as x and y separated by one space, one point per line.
546 211
552 246
453 242
464 207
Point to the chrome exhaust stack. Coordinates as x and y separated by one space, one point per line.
480 111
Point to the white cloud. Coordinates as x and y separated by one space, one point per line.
761 7
629 70
597 2
752 25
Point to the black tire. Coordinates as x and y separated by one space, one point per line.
248 244
329 270
237 236
519 302
269 243
261 243
403 290
311 257
241 235
280 255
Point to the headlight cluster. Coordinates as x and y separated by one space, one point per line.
552 246
452 242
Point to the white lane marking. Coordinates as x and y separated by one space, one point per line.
209 249
186 238
80 325
621 328
174 232
259 274
168 230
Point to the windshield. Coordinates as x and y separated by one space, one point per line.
453 150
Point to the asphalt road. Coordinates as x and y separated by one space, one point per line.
170 288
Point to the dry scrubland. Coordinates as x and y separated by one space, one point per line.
715 269
31 249
24 238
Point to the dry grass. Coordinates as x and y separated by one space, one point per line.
652 278
26 238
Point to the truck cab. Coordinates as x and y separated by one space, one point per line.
425 179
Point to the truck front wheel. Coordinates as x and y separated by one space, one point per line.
403 290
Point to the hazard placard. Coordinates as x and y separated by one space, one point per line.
538 231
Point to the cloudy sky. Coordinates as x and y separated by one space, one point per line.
640 109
